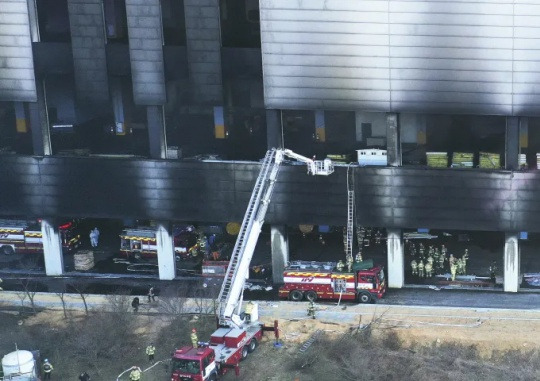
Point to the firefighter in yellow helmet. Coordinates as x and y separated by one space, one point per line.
340 266
194 338
135 374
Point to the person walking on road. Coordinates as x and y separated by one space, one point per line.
92 236
47 369
150 351
96 236
135 304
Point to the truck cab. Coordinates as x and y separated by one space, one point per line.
194 364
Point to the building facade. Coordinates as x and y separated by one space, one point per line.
137 91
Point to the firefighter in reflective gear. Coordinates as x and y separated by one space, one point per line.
431 251
150 351
442 259
413 249
453 270
340 265
248 311
421 268
493 270
464 259
443 250
47 369
429 270
436 256
194 338
430 261
451 260
349 263
135 374
414 267
459 264
358 258
421 250
311 309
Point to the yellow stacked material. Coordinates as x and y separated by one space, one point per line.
490 160
462 160
84 260
305 228
340 158
522 160
437 159
538 161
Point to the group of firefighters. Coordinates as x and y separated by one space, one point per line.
426 264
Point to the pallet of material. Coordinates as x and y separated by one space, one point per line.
462 160
437 159
538 161
84 260
340 158
490 160
522 160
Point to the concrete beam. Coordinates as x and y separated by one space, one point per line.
396 259
52 248
39 122
273 129
165 251
280 251
511 262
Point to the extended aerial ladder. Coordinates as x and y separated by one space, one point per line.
231 294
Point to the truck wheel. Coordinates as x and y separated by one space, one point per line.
252 345
296 295
245 352
7 250
364 297
311 296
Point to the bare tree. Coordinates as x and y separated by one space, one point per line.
62 296
82 290
30 289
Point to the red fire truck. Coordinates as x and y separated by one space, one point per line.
321 280
18 236
141 242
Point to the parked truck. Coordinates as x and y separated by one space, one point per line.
321 280
237 334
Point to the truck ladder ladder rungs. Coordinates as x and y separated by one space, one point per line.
259 200
350 224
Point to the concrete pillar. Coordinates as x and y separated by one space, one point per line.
393 140
274 136
39 122
280 251
396 259
511 262
20 117
156 132
511 150
523 140
52 248
320 126
165 251
118 106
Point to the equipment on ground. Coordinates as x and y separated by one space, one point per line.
321 280
141 242
18 236
21 365
236 337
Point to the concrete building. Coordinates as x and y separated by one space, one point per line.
122 89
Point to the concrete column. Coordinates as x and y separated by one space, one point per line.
511 150
320 126
393 140
156 132
39 122
118 106
511 262
396 259
165 251
523 139
52 248
20 115
280 251
274 136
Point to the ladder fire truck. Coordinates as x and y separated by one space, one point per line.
18 236
141 242
236 335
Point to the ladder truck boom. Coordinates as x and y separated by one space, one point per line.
231 293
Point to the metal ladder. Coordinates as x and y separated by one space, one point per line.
257 200
350 223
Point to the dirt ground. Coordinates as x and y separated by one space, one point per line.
490 332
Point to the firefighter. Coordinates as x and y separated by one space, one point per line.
194 338
412 250
47 369
443 250
421 268
493 270
430 260
150 351
151 294
453 270
451 260
349 263
358 258
135 304
378 237
340 266
429 269
84 377
436 255
414 267
442 259
135 374
464 259
421 250
311 309
248 311
459 264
